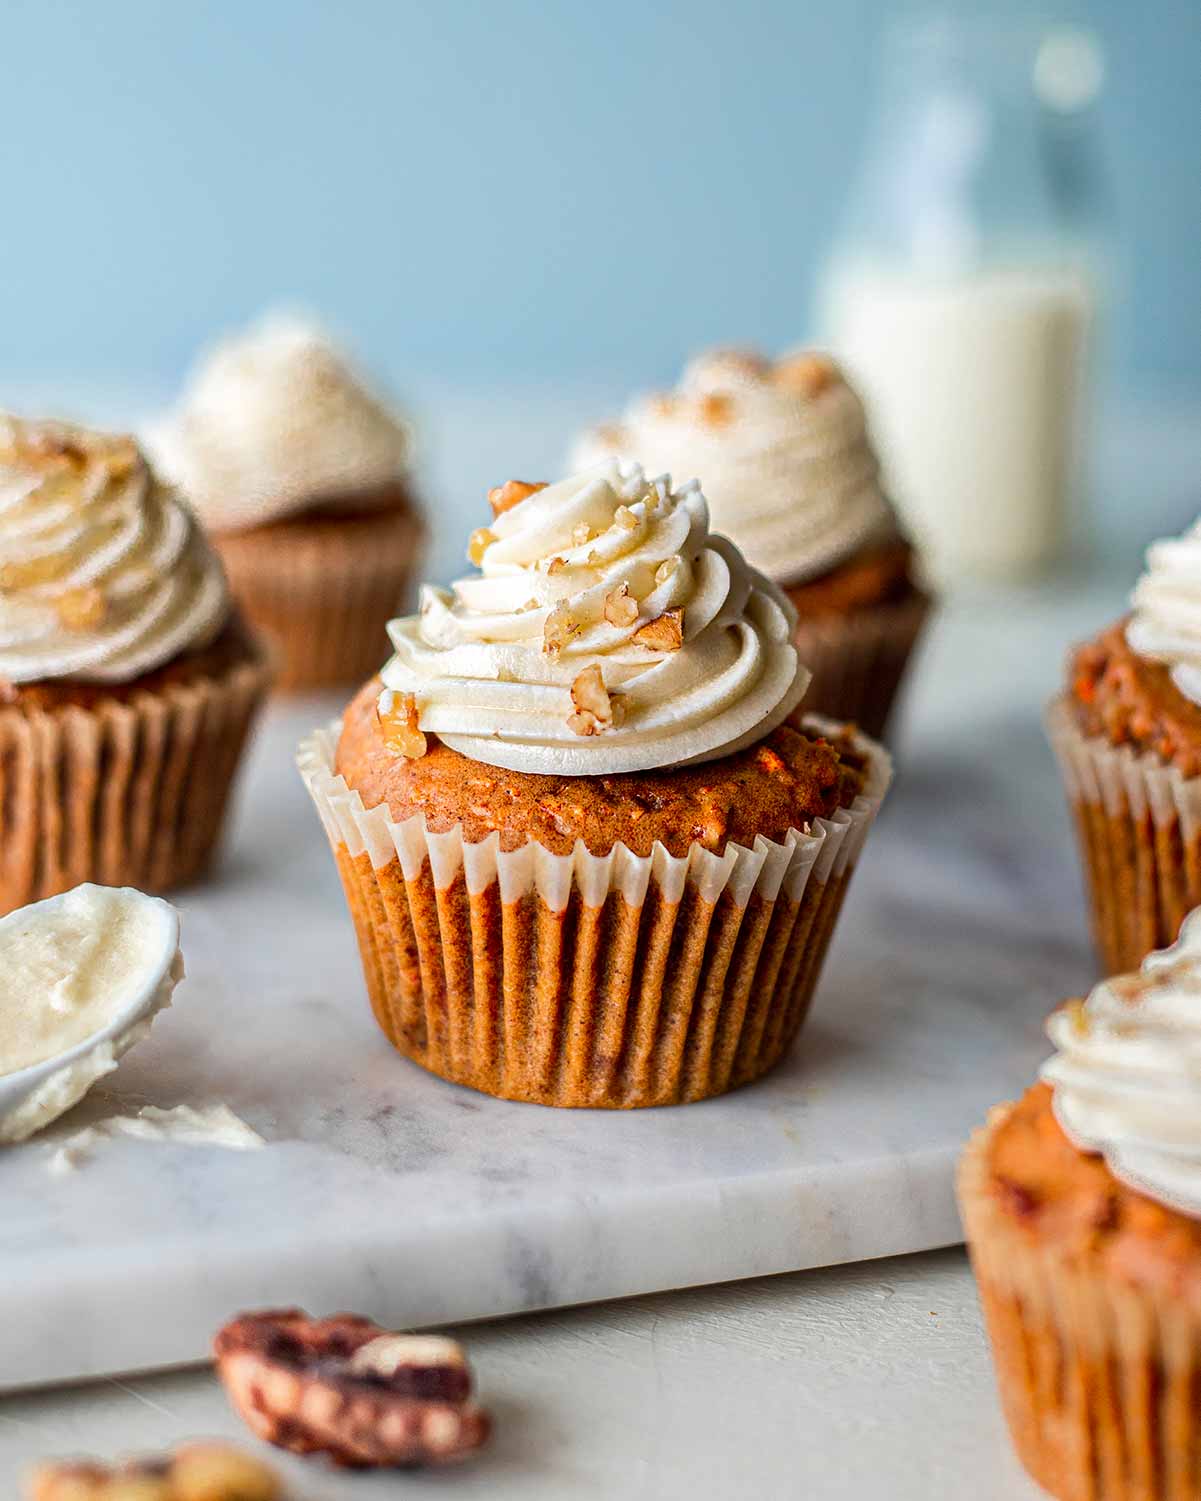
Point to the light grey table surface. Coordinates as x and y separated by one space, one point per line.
861 1380
824 1384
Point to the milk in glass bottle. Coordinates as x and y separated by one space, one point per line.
961 293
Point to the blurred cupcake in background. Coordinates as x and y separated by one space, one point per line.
301 476
128 683
1082 1207
791 476
1127 733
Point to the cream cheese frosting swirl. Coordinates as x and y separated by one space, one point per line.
104 574
608 630
274 423
1166 625
1127 1076
783 449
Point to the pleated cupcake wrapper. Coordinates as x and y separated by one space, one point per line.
324 600
123 793
1098 1377
1138 825
613 980
858 660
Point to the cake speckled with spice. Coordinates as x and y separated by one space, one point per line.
1128 736
791 475
1082 1205
128 683
301 475
591 856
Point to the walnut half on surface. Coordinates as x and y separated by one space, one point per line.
348 1389
195 1472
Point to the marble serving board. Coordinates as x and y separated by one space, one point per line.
384 1190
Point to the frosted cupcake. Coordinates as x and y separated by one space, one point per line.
1082 1204
791 476
1128 736
589 860
300 474
127 682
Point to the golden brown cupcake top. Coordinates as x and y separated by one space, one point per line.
1070 1203
785 782
1129 699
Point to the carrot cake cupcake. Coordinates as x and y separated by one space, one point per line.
589 858
1127 733
127 682
300 475
791 476
1082 1204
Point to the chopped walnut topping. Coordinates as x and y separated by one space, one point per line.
582 533
561 626
530 604
478 544
716 409
667 568
29 572
595 709
504 497
808 374
664 633
625 518
746 362
402 732
81 609
621 608
556 565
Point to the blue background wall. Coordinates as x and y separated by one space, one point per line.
530 189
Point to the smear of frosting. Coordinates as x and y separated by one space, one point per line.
608 630
1127 1074
782 450
183 1125
104 575
275 422
1166 624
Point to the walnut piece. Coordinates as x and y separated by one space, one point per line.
504 497
595 709
716 409
402 731
664 633
807 374
581 533
667 568
621 608
478 544
81 609
195 1472
625 518
561 627
346 1388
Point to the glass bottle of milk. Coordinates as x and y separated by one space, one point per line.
961 293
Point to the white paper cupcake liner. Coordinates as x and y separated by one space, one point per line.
582 979
1138 824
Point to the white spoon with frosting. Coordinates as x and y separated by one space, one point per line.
82 977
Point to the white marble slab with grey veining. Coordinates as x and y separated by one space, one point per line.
385 1190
